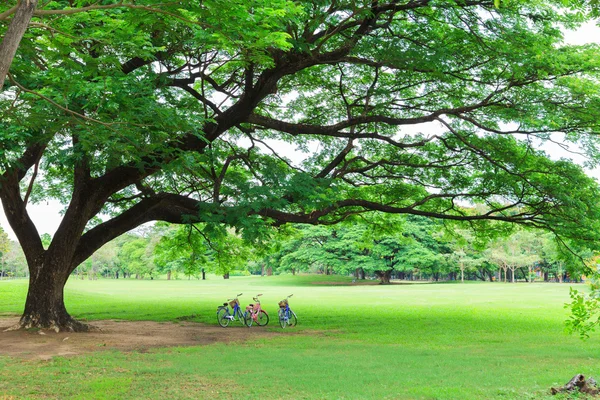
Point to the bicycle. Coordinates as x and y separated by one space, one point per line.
286 316
254 313
224 317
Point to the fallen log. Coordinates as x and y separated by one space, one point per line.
579 383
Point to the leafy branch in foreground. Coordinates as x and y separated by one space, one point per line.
584 313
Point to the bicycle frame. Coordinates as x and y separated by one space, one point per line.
236 308
255 314
255 309
286 311
230 315
287 317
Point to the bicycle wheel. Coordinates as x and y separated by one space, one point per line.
222 317
292 319
282 319
262 318
248 319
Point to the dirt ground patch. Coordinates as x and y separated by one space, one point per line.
119 335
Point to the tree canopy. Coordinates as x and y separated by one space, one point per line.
257 113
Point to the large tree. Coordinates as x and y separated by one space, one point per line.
190 113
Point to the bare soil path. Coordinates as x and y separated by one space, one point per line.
118 335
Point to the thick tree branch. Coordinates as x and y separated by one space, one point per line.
10 43
18 218
335 130
336 161
338 209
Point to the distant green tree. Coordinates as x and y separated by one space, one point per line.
467 254
105 261
520 250
46 240
389 245
14 260
192 249
181 249
4 248
136 257
227 251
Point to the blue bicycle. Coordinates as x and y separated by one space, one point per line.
225 317
286 316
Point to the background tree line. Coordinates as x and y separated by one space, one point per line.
410 248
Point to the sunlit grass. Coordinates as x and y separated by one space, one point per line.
423 341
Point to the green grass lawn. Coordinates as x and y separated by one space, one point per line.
413 341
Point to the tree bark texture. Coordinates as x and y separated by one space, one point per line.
14 34
44 306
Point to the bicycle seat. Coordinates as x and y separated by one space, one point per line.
251 305
225 304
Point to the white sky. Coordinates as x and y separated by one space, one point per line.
46 215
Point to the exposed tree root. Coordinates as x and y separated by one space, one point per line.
580 384
65 324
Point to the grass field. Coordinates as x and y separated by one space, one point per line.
414 341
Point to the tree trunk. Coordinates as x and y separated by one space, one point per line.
384 276
226 276
203 274
361 273
168 275
13 36
293 271
462 275
44 306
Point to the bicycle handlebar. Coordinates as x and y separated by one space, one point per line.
235 297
